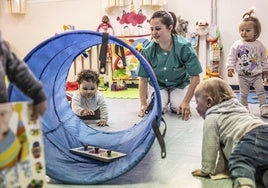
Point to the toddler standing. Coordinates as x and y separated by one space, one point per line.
248 58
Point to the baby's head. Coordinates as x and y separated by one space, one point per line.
249 21
88 81
89 76
211 92
216 88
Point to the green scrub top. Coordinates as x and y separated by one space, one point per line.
172 69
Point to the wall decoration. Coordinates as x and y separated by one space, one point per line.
128 71
17 6
130 21
132 18
108 5
154 4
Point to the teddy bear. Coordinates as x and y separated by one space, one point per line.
202 27
182 27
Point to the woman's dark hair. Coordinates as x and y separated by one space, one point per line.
175 22
89 76
167 18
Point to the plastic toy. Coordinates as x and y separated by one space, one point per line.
215 49
105 26
119 86
97 153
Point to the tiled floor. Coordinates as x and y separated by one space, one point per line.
183 144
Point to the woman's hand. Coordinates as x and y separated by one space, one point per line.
142 111
184 107
184 110
143 86
200 173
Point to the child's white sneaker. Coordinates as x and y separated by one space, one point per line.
264 111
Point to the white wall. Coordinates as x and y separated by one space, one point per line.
229 14
44 18
228 23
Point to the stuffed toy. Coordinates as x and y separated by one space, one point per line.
105 26
202 27
182 27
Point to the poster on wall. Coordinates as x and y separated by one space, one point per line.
22 161
127 70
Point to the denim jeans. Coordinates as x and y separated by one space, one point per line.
249 157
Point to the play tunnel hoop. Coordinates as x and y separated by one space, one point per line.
50 62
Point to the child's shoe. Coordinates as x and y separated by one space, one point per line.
265 178
264 111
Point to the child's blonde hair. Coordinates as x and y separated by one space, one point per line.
247 17
216 88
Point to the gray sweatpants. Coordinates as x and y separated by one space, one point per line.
244 85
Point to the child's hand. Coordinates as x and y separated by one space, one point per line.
265 76
199 172
87 112
39 110
231 72
102 123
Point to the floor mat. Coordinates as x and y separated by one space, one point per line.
129 93
252 97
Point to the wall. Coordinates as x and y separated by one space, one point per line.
229 14
44 18
228 23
